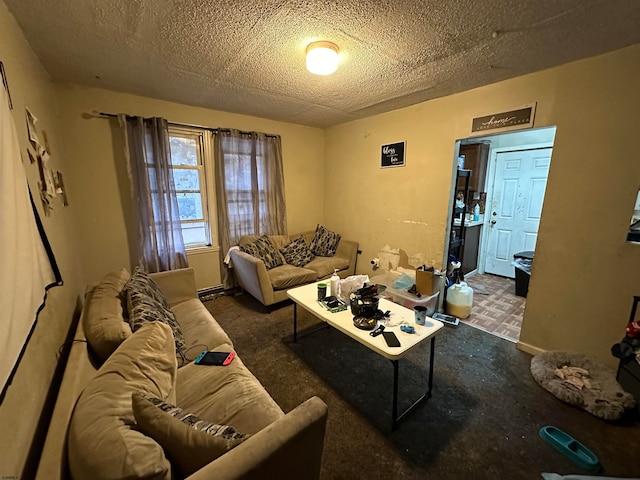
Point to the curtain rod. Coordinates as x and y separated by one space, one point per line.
176 124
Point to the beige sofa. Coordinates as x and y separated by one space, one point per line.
270 286
280 446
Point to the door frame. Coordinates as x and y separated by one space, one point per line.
491 174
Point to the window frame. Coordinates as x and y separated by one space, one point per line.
204 142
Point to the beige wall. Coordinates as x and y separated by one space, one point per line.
98 183
585 274
20 411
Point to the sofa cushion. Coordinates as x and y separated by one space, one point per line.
324 266
297 252
226 395
287 276
101 441
325 242
200 329
103 319
189 441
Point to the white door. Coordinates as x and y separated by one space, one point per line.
516 205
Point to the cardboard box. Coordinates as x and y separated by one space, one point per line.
427 283
424 282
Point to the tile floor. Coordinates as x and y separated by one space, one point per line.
496 308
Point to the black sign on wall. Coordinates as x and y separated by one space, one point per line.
520 118
392 155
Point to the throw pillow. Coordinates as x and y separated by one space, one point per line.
102 441
325 242
264 250
251 249
144 309
297 252
103 319
189 441
140 281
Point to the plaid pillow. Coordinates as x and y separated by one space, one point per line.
297 253
325 242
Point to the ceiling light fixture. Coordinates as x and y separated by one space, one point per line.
322 58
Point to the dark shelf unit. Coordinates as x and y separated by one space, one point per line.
476 156
456 246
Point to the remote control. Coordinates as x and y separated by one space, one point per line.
446 319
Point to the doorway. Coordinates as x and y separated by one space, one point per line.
515 176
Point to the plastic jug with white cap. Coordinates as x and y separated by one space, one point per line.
459 300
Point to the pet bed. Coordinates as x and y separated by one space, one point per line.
580 381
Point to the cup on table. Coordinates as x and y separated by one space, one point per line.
421 314
322 291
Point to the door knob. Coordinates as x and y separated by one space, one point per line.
493 222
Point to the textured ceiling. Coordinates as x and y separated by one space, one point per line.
248 57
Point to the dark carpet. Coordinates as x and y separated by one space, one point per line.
481 423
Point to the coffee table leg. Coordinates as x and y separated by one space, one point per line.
431 354
394 411
295 322
395 418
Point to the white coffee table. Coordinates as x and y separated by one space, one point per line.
306 297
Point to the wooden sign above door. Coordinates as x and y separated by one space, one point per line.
511 120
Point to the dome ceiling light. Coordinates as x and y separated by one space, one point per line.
322 58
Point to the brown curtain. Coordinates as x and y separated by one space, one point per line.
250 188
154 195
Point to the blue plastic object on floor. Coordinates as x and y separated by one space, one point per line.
571 448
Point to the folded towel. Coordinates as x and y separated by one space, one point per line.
227 258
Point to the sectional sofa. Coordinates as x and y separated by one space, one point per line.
132 404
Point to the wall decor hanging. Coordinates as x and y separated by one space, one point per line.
392 154
500 122
47 185
59 184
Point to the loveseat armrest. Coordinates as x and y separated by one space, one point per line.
348 249
177 285
252 276
289 448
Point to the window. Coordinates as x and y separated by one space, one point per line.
250 177
246 196
190 155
